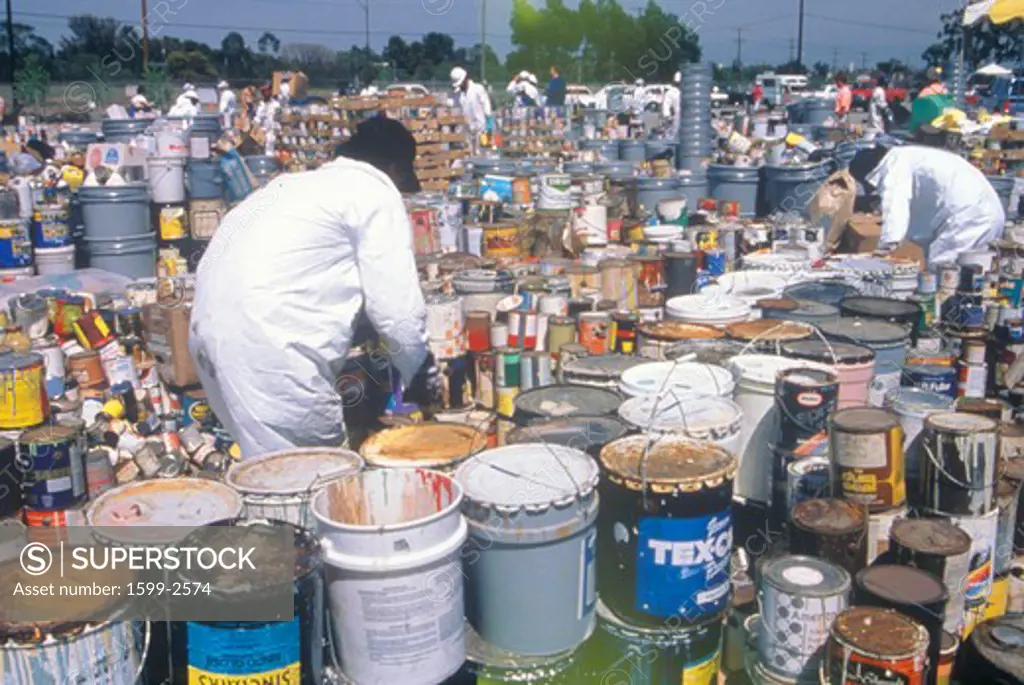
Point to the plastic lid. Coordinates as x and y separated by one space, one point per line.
671 461
173 502
770 330
291 471
864 330
819 351
803 575
700 417
707 307
528 475
653 378
864 420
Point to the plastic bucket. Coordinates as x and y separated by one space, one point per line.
658 148
632 151
132 256
124 130
205 181
171 141
690 163
816 112
615 170
694 187
166 179
391 541
51 227
109 211
789 189
55 260
78 138
15 244
533 547
205 131
648 192
262 167
735 184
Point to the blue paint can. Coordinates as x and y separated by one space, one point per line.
938 379
665 535
15 244
703 280
195 408
714 262
54 466
51 226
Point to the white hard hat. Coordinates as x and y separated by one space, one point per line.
531 78
639 82
187 87
223 84
678 77
458 75
524 75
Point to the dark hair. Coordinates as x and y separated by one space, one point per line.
141 90
883 82
841 77
865 161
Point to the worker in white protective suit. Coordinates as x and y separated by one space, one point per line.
932 198
187 104
285 281
227 105
524 88
473 100
670 106
267 117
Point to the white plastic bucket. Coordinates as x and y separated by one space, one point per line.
654 378
749 286
171 142
755 394
166 179
591 222
710 309
391 541
555 192
700 417
55 260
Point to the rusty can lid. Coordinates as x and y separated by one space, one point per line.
828 516
673 462
937 537
806 576
423 445
48 434
959 423
902 585
864 420
291 472
881 632
779 303
771 330
680 330
948 645
828 353
988 407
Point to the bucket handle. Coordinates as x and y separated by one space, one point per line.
329 634
140 669
934 460
651 435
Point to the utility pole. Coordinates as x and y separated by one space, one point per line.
10 44
145 37
483 40
863 61
800 36
835 59
739 49
365 6
791 44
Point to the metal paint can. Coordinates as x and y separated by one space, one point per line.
854 364
941 380
798 598
867 450
993 652
981 568
675 563
564 401
650 280
506 399
941 548
594 331
440 446
23 400
622 333
391 540
53 360
806 400
1007 500
959 464
279 486
537 544
829 529
913 406
867 644
653 339
671 653
806 479
972 380
879 526
54 468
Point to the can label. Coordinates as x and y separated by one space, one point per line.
173 223
703 672
683 565
972 380
870 468
943 383
268 653
977 587
23 400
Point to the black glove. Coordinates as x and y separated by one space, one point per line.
425 388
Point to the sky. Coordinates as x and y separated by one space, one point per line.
837 29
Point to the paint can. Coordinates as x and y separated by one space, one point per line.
913 406
561 331
676 378
11 476
586 433
867 450
807 478
650 279
441 446
285 651
23 400
980 572
880 525
941 380
1007 501
959 466
830 529
653 339
594 331
942 549
555 192
564 401
911 591
806 400
699 417
887 340
798 598
854 364
59 653
99 471
755 394
947 659
489 665
500 240
86 368
279 486
536 544
867 644
390 541
54 468
622 333
767 335
507 368
53 361
675 563
619 283
598 371
993 653
622 652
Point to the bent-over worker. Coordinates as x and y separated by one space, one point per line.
284 281
932 198
472 99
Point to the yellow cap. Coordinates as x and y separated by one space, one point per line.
794 139
114 409
235 451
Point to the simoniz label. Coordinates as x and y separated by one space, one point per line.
244 654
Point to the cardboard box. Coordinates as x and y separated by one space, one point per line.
861 234
167 331
115 156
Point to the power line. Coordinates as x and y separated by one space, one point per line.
872 25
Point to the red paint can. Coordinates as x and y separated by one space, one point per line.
868 645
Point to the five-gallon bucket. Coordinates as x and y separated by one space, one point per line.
78 138
204 133
650 191
391 541
133 256
660 149
1003 185
632 151
694 187
55 260
531 586
171 141
109 211
205 181
735 184
816 112
789 189
124 130
166 179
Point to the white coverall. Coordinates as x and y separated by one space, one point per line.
937 200
277 295
876 108
228 107
522 88
475 105
266 118
183 107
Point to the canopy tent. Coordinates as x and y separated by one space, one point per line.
998 11
994 70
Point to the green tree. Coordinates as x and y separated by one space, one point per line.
31 82
190 65
158 85
989 42
821 70
235 56
268 43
